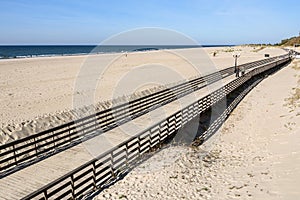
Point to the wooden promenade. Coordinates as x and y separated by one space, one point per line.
28 180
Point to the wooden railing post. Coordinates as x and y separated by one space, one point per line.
139 144
126 146
73 186
94 175
53 139
45 195
35 146
70 134
159 133
15 157
112 164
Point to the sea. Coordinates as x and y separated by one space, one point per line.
27 51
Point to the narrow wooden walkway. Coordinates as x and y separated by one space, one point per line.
25 181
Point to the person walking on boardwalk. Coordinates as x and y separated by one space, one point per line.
236 68
242 70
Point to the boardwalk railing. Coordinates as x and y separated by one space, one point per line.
108 166
37 146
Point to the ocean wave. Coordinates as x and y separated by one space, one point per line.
19 52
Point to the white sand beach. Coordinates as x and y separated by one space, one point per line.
138 100
255 156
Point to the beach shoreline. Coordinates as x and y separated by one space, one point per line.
93 50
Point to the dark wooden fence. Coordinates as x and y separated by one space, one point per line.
108 166
45 143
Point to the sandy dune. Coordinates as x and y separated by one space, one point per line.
255 155
38 92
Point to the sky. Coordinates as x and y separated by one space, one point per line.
92 21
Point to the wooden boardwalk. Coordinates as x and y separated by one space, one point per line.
25 181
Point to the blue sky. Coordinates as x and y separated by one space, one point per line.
91 21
